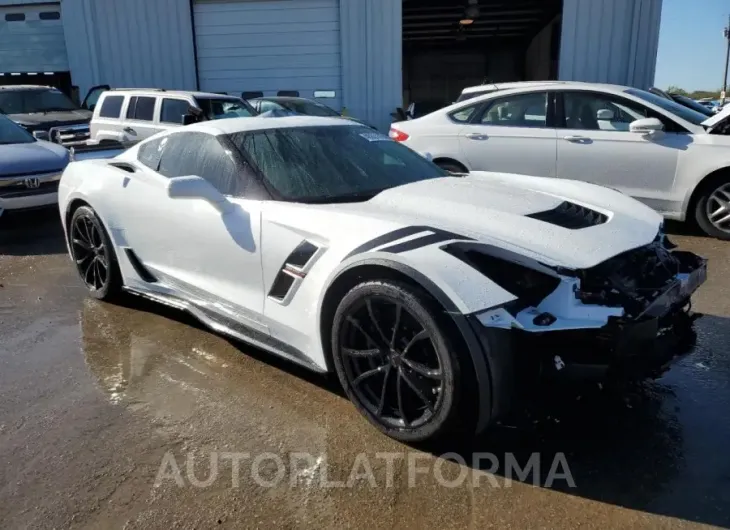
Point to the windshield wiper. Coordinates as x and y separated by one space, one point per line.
56 109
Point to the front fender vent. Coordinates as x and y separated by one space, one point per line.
571 216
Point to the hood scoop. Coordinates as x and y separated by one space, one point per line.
570 215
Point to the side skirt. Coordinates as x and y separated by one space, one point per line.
225 326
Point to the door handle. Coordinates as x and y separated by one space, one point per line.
575 138
477 136
129 130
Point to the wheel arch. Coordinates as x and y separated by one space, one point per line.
379 268
691 202
450 160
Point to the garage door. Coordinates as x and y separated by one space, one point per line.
31 39
269 46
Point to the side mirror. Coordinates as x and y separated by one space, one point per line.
194 187
646 126
189 119
605 115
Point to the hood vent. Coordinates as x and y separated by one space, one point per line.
570 215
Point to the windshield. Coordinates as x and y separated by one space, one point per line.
692 104
34 100
692 116
12 133
218 109
332 163
308 108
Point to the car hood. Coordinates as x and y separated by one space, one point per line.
499 209
713 121
52 119
36 157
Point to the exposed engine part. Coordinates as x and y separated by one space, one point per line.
634 279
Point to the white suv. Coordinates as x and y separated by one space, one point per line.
672 158
129 116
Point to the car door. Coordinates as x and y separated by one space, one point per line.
595 145
190 245
172 111
140 119
512 134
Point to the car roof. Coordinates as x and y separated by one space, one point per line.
281 98
162 92
258 123
505 86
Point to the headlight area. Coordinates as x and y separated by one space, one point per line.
629 314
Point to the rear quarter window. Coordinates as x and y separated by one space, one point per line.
111 107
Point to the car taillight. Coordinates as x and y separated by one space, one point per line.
398 136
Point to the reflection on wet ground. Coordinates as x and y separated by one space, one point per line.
94 396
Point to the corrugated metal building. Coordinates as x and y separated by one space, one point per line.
368 56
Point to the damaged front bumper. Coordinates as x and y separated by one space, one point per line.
596 327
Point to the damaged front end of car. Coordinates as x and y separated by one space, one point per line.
628 317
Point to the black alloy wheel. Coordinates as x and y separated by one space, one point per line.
93 254
395 362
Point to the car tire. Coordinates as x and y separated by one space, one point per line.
452 167
93 254
709 194
421 385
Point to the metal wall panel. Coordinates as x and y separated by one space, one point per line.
268 46
372 71
610 41
31 45
134 43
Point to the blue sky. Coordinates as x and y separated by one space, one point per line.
691 44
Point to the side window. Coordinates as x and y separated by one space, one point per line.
265 106
173 110
519 110
149 153
595 112
141 108
111 107
201 154
463 115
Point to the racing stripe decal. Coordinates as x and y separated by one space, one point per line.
430 236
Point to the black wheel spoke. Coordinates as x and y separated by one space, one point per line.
416 390
358 327
374 321
423 370
83 244
399 393
422 335
381 405
369 373
361 353
87 231
398 311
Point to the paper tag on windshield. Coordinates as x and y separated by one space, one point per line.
375 137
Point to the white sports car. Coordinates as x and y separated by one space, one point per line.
429 294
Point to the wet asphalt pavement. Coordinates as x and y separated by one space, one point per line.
101 404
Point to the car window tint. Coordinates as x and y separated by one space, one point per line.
594 112
144 108
200 154
269 105
518 110
111 107
149 153
173 110
464 115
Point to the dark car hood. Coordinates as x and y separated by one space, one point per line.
52 119
35 157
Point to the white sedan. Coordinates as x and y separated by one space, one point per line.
666 155
326 243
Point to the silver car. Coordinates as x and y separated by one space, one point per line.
29 169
